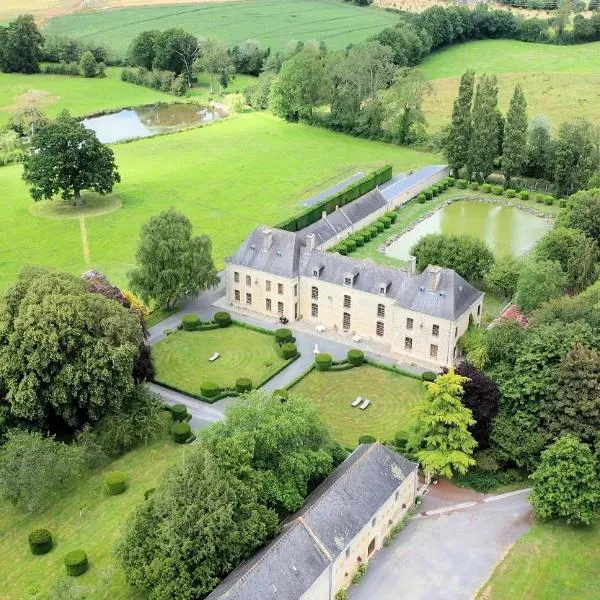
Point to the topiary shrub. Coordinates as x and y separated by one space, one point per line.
461 184
284 335
562 203
366 439
434 191
209 389
323 362
356 357
40 541
548 200
428 376
222 319
149 493
243 384
179 413
181 432
497 190
190 322
400 440
373 231
379 226
283 395
524 195
511 193
421 198
76 563
289 350
341 248
393 216
116 482
450 181
359 240
350 245
428 194
387 222
486 187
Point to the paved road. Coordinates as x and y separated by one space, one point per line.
446 556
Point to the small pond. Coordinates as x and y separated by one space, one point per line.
505 229
146 121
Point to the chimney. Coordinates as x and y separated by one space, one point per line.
435 274
411 266
267 239
324 214
311 241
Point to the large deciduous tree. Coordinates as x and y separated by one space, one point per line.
459 134
583 212
540 280
503 275
514 148
216 61
142 49
21 46
171 262
67 158
176 50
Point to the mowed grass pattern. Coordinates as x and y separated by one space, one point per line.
391 398
272 22
181 360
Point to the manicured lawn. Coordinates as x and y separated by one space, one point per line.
391 397
551 562
273 24
86 519
181 360
226 177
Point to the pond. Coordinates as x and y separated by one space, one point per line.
146 121
505 229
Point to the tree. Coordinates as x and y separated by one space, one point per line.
539 281
21 46
66 355
198 525
583 212
565 484
176 50
215 60
459 134
563 15
439 435
35 469
171 263
142 50
514 148
249 57
88 65
540 151
67 157
503 275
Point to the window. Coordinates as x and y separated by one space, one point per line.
409 323
236 277
248 298
280 308
433 351
268 285
347 302
280 288
383 290
314 310
268 304
435 330
248 280
380 328
348 281
295 289
314 292
479 310
346 321
236 295
407 343
381 310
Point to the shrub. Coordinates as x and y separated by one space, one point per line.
524 195
400 439
209 389
149 493
359 240
222 319
350 245
474 185
284 336
356 357
116 483
181 432
428 194
548 200
40 541
450 181
243 384
461 184
562 203
539 198
393 216
360 572
387 222
283 395
428 376
421 198
341 595
433 190
323 362
486 187
497 190
373 232
289 350
341 248
511 193
179 413
76 563
366 439
379 226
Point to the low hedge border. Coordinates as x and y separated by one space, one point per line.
391 368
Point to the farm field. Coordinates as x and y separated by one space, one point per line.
225 177
273 22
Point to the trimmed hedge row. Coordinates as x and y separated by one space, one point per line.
76 563
116 483
40 541
360 238
325 362
366 439
194 323
435 189
498 190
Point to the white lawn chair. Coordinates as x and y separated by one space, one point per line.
357 401
364 404
214 357
316 350
356 339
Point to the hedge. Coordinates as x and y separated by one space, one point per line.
243 384
428 376
76 563
421 198
350 245
356 357
179 412
497 189
486 187
222 319
393 216
379 226
428 194
181 432
366 439
548 200
323 362
474 186
358 240
190 322
343 366
341 248
40 541
461 184
451 181
524 195
511 193
116 483
209 389
387 222
289 350
283 336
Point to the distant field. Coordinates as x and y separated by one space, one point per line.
273 22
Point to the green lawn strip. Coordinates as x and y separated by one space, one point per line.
160 314
87 519
493 303
553 561
391 397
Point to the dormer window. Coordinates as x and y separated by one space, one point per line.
316 270
349 278
348 281
384 286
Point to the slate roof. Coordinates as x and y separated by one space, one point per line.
395 187
332 516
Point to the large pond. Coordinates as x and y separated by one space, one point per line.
505 229
146 121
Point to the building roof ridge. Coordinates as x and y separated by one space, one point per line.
315 539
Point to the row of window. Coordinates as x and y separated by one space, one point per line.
433 348
410 323
268 285
268 304
314 294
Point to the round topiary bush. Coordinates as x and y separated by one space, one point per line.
434 191
524 195
393 216
366 439
289 350
358 239
428 194
373 231
222 319
243 384
179 412
474 185
149 493
428 376
421 198
387 222
323 362
341 248
283 336
76 563
209 389
190 322
40 541
116 483
283 395
461 184
356 357
497 190
548 200
400 439
181 432
379 226
450 181
486 187
350 245
511 193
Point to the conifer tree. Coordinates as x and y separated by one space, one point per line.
514 148
459 135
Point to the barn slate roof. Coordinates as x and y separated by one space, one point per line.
397 186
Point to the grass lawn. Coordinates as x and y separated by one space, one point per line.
391 397
181 360
95 531
551 562
226 177
274 24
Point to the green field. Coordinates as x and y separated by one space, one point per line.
551 562
273 22
226 177
87 519
391 397
181 360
